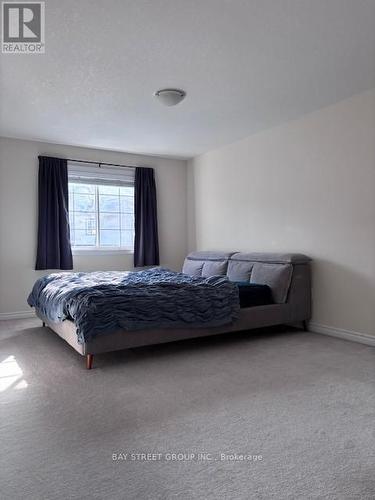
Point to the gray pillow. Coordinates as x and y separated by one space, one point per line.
239 270
214 268
193 267
276 276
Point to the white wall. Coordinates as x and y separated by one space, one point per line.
306 186
18 214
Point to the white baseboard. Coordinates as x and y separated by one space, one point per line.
362 338
18 315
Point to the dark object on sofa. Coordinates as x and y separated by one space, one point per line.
252 294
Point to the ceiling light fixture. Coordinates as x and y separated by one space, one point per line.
170 97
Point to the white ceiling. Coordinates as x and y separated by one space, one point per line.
246 65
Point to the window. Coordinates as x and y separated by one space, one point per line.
101 209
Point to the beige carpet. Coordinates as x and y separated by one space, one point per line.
303 402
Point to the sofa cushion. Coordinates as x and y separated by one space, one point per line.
193 267
239 270
276 276
214 268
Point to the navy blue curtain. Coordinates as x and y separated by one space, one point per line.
146 243
54 251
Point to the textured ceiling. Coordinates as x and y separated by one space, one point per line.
246 65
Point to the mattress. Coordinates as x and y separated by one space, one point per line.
100 303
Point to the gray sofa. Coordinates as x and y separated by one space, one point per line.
287 274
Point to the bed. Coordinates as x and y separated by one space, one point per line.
216 292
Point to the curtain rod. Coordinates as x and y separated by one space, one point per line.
100 163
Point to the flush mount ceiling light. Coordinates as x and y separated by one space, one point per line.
170 97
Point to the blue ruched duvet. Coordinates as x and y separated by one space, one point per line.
102 302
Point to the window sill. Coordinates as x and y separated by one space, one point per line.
101 251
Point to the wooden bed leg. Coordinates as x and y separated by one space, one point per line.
89 360
304 325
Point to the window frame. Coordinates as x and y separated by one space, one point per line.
98 176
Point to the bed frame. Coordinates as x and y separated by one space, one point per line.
294 309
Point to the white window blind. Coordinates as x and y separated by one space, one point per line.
101 174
